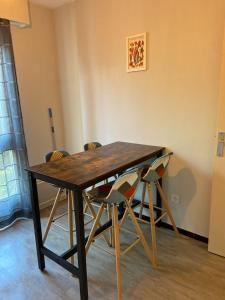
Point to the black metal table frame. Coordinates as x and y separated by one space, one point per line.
80 271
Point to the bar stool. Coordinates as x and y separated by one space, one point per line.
53 156
121 192
92 146
150 178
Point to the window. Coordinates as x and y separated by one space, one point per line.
9 183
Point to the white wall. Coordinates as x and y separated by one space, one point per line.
172 104
37 74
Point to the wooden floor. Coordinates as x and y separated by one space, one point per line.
186 271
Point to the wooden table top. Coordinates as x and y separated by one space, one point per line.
81 170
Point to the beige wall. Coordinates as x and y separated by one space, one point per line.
69 78
37 73
15 10
172 104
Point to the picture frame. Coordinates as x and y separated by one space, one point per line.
136 52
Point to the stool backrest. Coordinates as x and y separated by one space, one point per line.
55 155
91 146
158 168
124 187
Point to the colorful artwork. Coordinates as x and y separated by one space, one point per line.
136 52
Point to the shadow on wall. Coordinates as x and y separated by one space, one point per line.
183 184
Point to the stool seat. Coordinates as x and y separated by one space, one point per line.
92 146
114 192
100 192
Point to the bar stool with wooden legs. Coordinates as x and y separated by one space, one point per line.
92 146
122 192
50 157
151 178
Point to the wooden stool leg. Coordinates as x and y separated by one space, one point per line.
94 227
52 214
139 232
90 207
70 221
117 251
126 212
166 205
142 200
85 208
124 217
111 235
152 222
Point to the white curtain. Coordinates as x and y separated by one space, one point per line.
14 188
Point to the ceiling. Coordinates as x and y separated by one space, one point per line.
51 3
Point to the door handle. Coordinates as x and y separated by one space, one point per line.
220 143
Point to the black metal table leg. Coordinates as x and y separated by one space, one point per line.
37 222
80 234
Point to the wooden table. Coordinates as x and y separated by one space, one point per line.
75 173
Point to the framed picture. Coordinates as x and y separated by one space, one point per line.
136 52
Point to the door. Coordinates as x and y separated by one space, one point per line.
217 212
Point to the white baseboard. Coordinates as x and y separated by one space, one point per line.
47 203
47 194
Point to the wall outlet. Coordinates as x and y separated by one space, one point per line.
175 199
